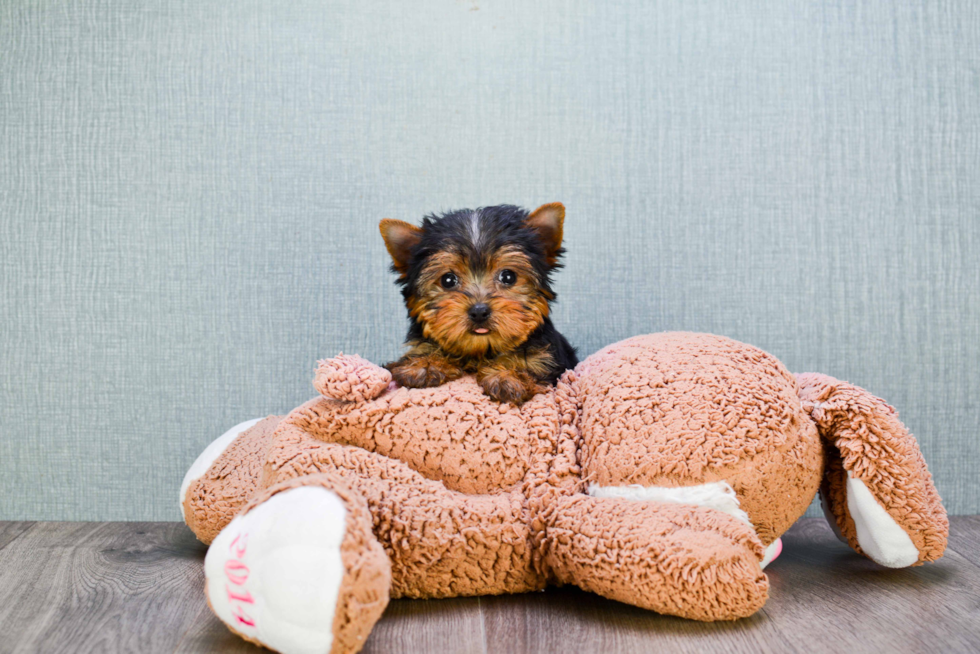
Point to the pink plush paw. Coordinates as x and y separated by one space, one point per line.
350 378
772 552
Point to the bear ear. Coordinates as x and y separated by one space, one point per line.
400 238
350 379
548 220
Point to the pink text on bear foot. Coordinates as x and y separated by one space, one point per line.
237 574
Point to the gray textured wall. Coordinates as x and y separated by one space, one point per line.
190 191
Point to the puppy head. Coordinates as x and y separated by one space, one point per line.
478 281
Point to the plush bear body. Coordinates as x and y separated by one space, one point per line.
660 472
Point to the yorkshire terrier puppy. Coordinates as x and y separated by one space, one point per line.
477 284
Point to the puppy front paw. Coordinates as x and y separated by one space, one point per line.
417 376
423 372
507 386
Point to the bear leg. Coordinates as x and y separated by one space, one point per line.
224 476
299 570
676 559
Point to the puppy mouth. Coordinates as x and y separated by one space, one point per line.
481 330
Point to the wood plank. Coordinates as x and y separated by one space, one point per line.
11 530
89 587
209 634
570 620
442 626
100 587
964 537
445 626
825 597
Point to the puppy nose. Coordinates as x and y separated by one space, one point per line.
479 312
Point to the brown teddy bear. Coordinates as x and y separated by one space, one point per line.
660 472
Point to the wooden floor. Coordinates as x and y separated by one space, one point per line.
137 587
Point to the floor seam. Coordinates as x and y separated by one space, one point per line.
483 624
967 557
15 538
954 527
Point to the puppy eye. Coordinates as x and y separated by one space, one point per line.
507 277
449 280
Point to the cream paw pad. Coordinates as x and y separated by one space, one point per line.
298 570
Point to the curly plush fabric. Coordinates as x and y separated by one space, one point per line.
350 378
450 433
441 543
683 409
871 444
656 473
675 559
214 498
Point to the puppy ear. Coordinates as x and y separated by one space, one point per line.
400 238
547 220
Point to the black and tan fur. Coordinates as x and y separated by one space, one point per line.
490 270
